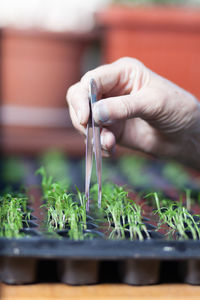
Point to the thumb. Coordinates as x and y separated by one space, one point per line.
143 104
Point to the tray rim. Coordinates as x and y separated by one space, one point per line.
46 248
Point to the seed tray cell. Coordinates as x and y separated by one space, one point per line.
80 262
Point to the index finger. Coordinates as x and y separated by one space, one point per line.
77 98
107 78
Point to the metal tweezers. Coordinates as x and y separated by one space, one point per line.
93 144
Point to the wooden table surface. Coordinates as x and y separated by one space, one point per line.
101 291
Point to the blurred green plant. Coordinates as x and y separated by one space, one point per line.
14 170
109 170
56 165
176 174
133 167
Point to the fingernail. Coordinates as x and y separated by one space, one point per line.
79 116
105 153
101 113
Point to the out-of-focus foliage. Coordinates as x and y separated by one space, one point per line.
133 167
56 164
176 174
13 170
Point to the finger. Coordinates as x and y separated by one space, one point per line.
110 81
75 122
107 78
108 140
144 104
77 95
106 151
139 135
77 98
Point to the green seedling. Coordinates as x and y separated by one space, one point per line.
123 215
12 215
68 211
65 211
176 216
188 198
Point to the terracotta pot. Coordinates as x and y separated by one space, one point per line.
38 67
166 39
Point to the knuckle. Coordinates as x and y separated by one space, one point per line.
124 59
192 111
156 106
126 107
87 76
129 61
194 105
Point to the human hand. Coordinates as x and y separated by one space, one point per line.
140 110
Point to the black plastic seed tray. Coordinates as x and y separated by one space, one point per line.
43 256
86 262
40 256
57 258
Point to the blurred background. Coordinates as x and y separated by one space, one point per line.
46 46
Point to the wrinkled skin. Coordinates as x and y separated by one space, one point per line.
140 110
